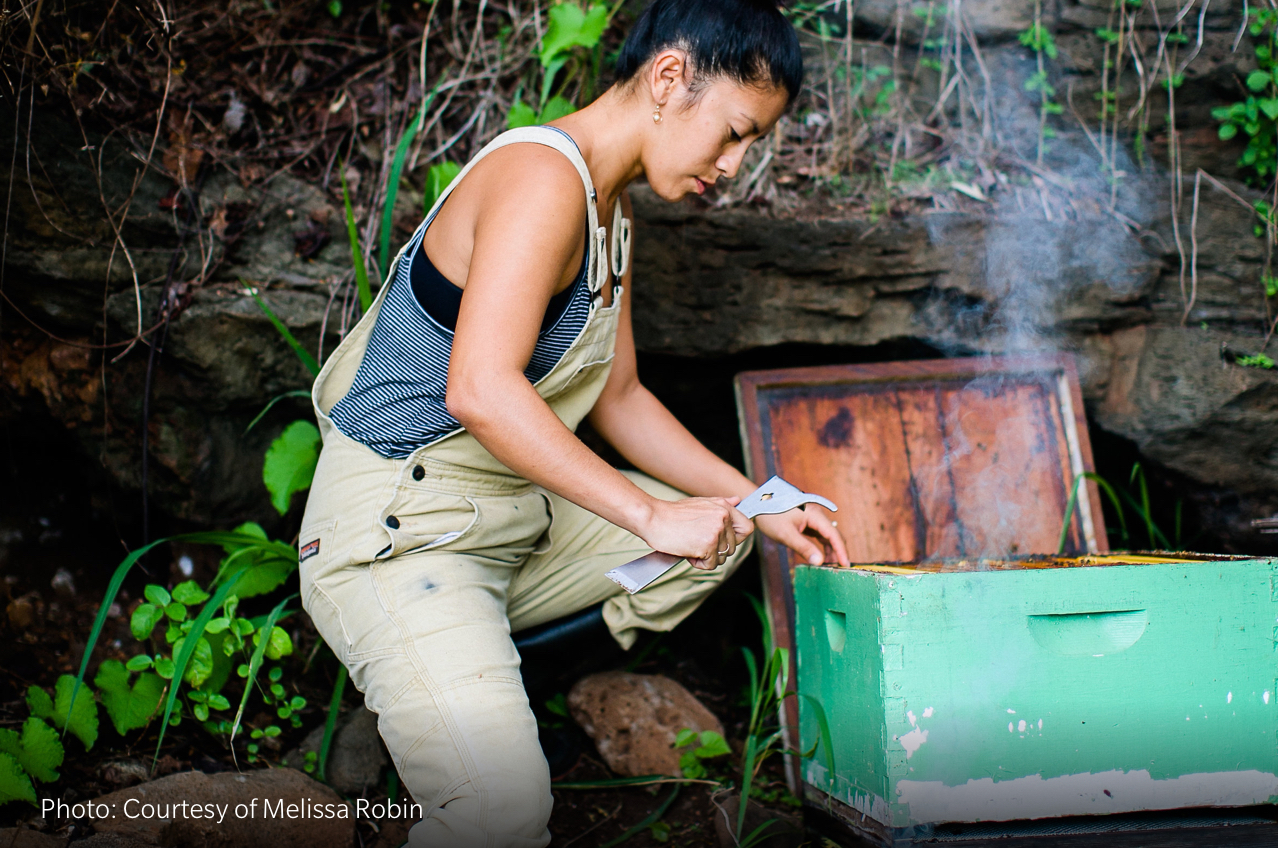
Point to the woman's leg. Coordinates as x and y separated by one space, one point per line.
430 647
567 573
425 637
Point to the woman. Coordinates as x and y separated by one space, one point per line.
453 505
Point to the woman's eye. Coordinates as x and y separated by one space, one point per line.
733 134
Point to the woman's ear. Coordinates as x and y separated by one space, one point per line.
667 73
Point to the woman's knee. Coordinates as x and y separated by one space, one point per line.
509 806
470 756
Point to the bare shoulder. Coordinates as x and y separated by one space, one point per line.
533 183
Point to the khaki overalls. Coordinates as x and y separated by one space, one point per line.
417 570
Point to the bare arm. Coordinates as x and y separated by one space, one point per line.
642 430
515 264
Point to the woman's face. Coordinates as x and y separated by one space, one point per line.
704 137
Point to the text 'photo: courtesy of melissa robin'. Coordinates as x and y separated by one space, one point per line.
257 808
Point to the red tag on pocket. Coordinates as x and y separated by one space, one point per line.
308 550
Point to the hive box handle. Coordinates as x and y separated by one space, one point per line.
1095 634
836 629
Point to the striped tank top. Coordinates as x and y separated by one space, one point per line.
396 403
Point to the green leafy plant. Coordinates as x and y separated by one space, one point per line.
1039 39
767 691
523 115
1255 360
80 719
570 28
1255 117
437 179
706 745
290 463
194 654
33 755
130 705
571 45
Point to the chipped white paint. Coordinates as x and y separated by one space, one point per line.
1040 724
1229 699
1011 711
1011 728
841 789
912 741
1078 794
1020 726
928 712
914 722
1266 696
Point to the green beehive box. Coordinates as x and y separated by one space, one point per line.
987 692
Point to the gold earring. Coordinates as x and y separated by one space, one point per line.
656 116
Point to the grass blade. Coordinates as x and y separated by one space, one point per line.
357 256
189 642
275 400
113 588
302 353
255 662
747 779
392 182
1069 513
1110 493
823 734
330 724
1113 500
622 782
653 818
1144 500
392 785
1155 536
758 834
753 677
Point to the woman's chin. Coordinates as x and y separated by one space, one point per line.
671 194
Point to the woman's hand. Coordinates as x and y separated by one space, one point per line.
704 530
795 529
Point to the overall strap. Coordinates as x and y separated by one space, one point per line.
597 268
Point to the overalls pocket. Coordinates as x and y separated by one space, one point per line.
421 520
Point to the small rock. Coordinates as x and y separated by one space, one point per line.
634 718
356 758
110 840
317 817
63 583
123 773
21 612
19 837
785 830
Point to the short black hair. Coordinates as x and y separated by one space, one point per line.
748 41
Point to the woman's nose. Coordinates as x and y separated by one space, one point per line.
730 163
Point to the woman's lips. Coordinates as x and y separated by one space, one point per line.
701 186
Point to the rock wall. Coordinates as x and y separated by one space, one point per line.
711 284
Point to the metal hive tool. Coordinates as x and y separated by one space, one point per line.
772 498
